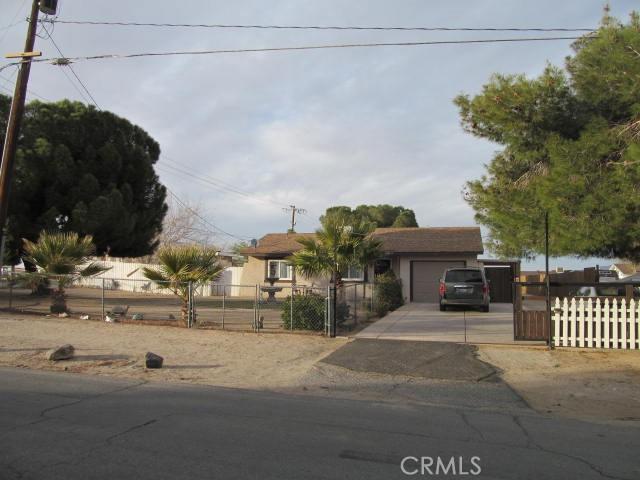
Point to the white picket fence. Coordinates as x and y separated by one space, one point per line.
597 323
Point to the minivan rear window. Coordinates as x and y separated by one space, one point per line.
471 276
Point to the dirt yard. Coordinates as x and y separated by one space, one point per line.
596 384
231 359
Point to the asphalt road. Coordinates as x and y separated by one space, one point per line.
64 426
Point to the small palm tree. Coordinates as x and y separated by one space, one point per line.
181 265
339 244
62 256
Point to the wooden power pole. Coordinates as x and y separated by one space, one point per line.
294 210
15 119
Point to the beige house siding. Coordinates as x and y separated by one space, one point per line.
254 272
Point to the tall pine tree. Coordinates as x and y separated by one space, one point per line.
571 148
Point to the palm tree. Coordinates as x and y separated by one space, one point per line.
65 257
181 266
339 244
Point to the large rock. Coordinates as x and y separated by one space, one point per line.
152 360
65 352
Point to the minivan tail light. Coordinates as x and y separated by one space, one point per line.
442 289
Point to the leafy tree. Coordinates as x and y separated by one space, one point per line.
181 265
91 167
64 257
339 244
378 215
570 148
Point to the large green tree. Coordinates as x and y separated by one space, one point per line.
378 215
570 148
87 171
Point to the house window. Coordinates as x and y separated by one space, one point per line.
381 266
280 269
353 273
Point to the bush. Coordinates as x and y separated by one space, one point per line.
308 312
388 294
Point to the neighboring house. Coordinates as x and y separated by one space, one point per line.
127 275
418 256
624 270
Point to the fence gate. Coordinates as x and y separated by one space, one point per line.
530 317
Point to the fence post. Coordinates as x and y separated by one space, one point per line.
355 304
102 298
11 291
224 297
256 310
373 291
291 312
189 303
328 315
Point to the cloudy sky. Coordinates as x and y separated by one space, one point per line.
260 131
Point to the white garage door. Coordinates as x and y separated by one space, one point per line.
425 279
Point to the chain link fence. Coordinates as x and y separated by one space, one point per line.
212 306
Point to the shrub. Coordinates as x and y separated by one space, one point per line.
388 293
308 312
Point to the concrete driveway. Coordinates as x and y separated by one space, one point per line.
425 321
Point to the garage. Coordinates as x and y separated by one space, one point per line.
425 278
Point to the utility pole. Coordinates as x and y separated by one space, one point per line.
294 210
15 119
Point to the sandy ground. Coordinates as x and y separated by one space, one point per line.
231 359
578 383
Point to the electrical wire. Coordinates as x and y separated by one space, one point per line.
315 27
204 220
62 61
216 183
11 23
84 87
31 92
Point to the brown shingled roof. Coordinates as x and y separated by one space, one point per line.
394 240
277 244
430 240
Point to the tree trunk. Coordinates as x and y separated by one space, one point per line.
58 301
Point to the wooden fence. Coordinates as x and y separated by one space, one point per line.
597 323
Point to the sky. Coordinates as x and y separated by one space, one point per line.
260 131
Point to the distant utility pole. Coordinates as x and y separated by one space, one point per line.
294 210
15 116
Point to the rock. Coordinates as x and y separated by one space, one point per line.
65 352
137 316
63 315
152 360
109 319
84 317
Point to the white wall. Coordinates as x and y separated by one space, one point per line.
128 276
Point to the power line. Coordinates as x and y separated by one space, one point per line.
216 183
9 79
72 70
316 27
12 24
64 61
204 220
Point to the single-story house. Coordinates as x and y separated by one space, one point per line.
418 256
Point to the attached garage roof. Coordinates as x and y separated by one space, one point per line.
431 240
394 240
